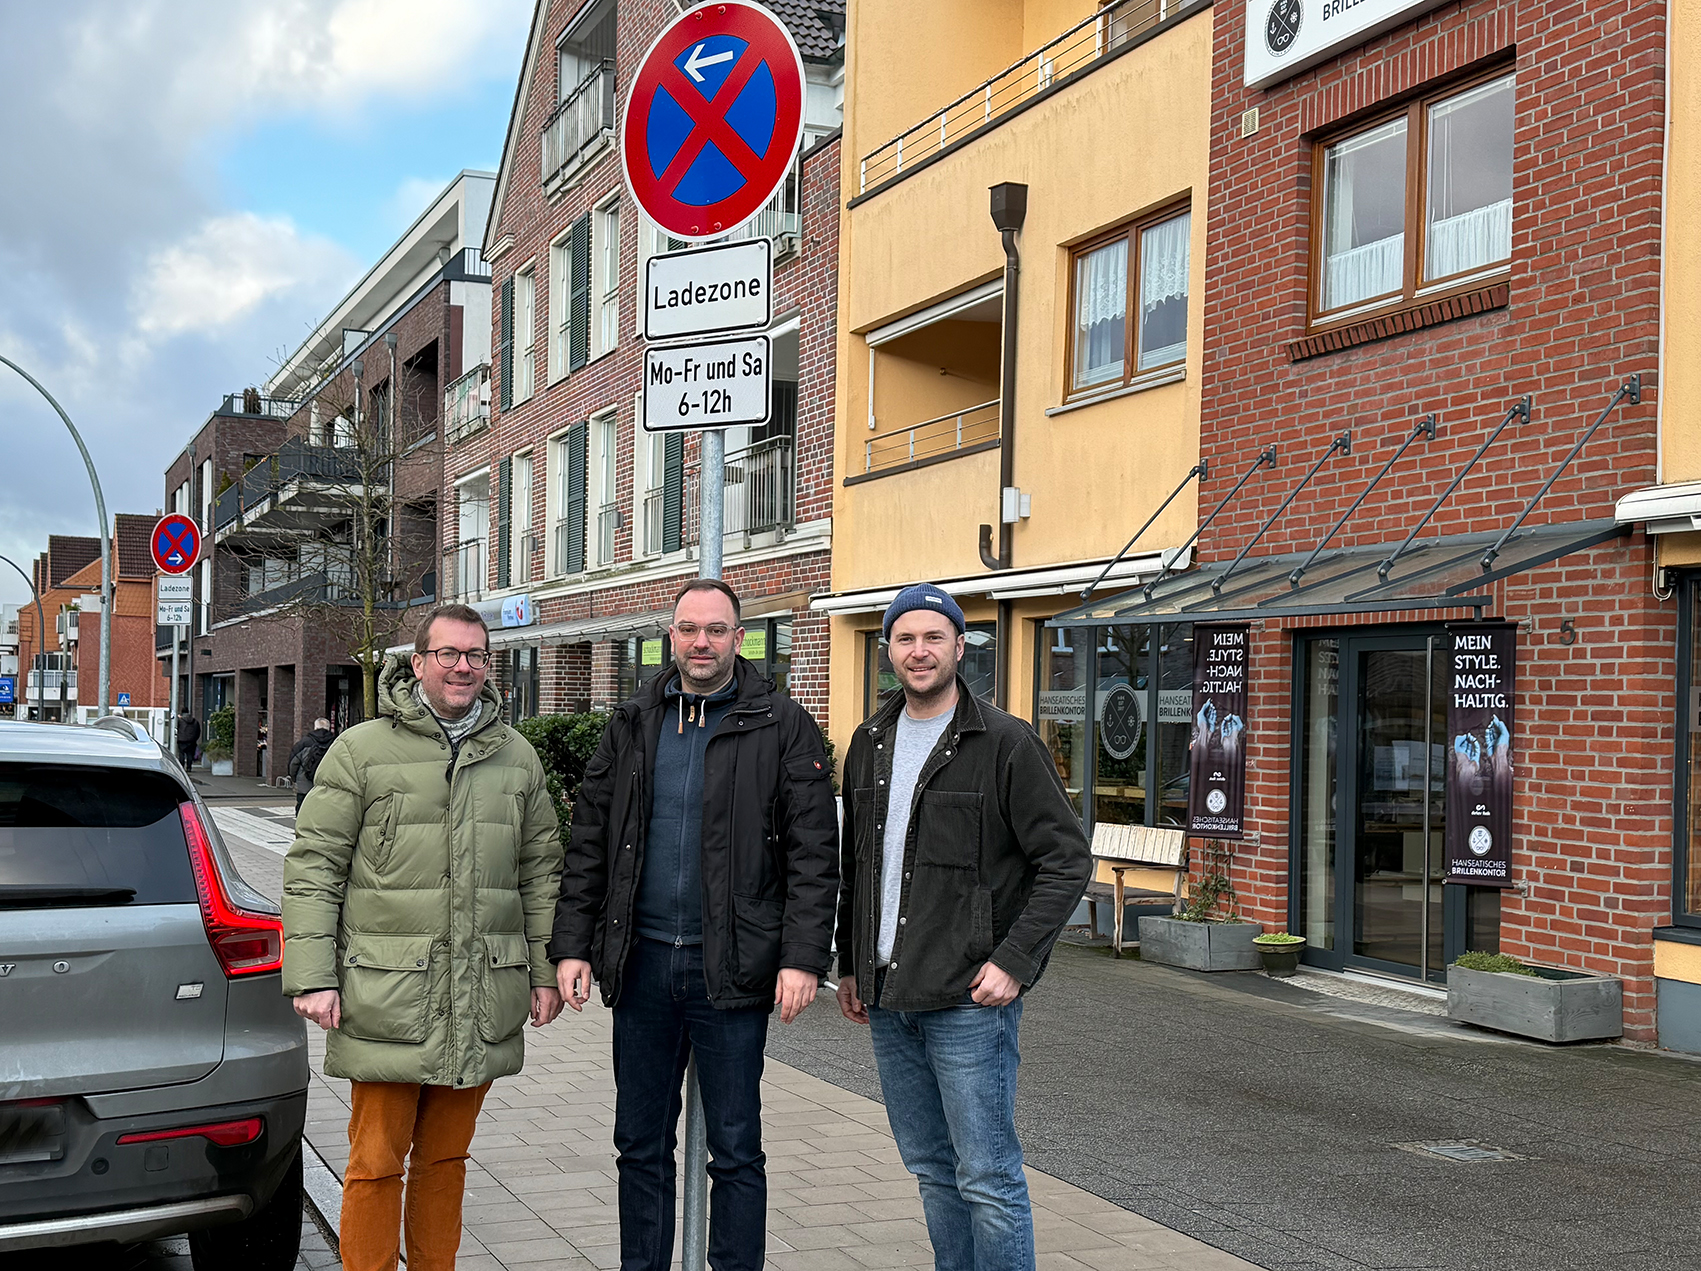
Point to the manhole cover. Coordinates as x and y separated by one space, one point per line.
1469 1151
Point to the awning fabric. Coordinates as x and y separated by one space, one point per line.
584 630
1010 584
1437 573
1665 509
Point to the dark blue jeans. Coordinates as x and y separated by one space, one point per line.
663 1017
949 1078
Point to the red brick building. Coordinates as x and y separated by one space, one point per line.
1440 213
277 477
568 524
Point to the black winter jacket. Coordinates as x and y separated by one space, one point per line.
769 845
994 862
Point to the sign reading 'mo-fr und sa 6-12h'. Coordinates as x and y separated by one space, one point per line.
710 384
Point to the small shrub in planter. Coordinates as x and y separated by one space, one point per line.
1549 1004
1198 938
1280 952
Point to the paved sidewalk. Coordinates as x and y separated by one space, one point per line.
541 1183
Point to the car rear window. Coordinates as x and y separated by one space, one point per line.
69 827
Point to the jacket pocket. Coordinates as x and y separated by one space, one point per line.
757 925
948 829
505 986
383 815
386 988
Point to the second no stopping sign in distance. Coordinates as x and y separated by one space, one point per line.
713 119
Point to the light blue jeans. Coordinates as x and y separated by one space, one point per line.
949 1078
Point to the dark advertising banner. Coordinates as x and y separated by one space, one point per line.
1216 787
1480 694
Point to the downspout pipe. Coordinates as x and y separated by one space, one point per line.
1009 210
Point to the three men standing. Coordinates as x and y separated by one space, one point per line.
699 889
962 861
418 897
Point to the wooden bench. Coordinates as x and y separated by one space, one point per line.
1130 847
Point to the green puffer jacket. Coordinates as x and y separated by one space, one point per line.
423 886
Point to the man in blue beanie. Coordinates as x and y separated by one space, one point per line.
961 860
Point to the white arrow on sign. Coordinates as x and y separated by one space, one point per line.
695 61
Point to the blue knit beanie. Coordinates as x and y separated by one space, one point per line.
922 596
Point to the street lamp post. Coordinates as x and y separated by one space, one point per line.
41 640
105 540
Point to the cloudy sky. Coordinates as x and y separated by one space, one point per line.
187 187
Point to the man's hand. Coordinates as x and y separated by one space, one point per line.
573 977
546 1005
795 991
994 986
324 1008
850 1004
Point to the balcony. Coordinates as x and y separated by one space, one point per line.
1074 53
655 519
48 683
294 491
945 436
251 403
579 127
760 485
466 404
781 220
463 570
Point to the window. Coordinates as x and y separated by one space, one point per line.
655 470
570 459
583 46
570 266
606 437
605 238
1416 204
1686 884
525 324
1141 270
522 517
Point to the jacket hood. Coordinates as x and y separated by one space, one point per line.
396 697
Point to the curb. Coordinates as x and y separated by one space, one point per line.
324 1194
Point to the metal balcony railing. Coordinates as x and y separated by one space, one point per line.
932 438
294 461
761 488
251 403
655 516
463 570
608 521
781 219
1074 52
466 404
579 124
467 265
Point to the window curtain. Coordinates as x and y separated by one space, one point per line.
1165 250
1355 271
1470 240
1101 310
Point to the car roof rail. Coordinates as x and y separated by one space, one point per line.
129 728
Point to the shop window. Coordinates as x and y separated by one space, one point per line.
1060 702
979 667
1686 885
1129 303
1417 204
767 645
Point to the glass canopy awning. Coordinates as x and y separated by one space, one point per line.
1437 573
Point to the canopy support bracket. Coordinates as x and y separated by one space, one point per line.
1344 443
1266 458
1424 427
1202 470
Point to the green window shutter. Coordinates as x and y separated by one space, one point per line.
504 521
673 491
573 553
505 351
579 301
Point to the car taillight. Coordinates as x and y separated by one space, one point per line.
225 1133
247 943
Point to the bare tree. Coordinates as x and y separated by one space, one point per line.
339 528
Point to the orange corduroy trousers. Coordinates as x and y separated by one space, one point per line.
430 1128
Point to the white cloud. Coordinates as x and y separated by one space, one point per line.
227 268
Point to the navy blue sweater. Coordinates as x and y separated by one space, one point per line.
670 892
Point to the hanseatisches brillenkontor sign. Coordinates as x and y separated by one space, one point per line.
1284 37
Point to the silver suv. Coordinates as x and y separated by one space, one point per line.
153 1077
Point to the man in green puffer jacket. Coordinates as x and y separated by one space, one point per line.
418 897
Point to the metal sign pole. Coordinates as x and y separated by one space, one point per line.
712 504
171 722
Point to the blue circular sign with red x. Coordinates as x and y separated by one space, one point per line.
176 544
713 119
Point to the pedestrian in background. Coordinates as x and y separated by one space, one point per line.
962 861
699 890
305 757
417 903
188 737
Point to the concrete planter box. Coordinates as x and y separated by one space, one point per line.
223 767
1200 946
1551 1006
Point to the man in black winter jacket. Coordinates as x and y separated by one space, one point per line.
699 889
962 861
304 759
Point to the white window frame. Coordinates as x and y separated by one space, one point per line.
605 276
525 332
560 308
520 513
557 499
603 459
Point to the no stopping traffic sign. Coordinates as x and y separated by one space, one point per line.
713 119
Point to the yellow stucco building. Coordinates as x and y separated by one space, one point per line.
1092 122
